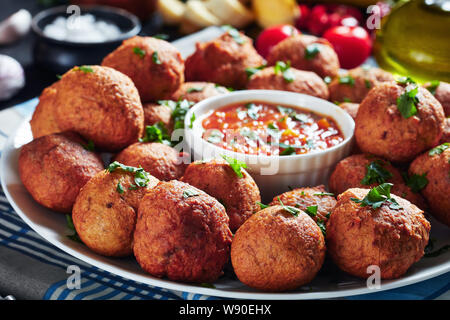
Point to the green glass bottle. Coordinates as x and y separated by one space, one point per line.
414 40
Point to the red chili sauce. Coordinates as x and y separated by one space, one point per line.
263 128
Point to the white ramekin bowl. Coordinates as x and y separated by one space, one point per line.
274 174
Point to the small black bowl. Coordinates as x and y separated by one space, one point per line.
60 55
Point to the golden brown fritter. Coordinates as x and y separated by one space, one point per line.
223 61
446 134
182 233
358 237
53 168
43 121
197 91
155 113
160 160
238 195
294 49
351 171
276 251
437 191
304 82
351 108
302 198
105 211
155 66
354 85
101 104
442 94
383 131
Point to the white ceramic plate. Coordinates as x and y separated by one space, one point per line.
52 227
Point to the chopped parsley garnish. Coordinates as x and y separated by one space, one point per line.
71 226
285 70
292 210
155 57
215 136
378 196
262 205
141 177
416 182
84 69
324 194
161 36
58 76
347 100
190 193
405 80
252 70
327 79
236 165
322 227
348 79
287 151
156 133
252 110
407 102
311 210
376 173
207 285
367 84
439 149
89 146
191 123
234 33
311 51
433 86
180 108
248 133
193 89
140 52
119 188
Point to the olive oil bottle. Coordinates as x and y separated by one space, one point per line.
414 40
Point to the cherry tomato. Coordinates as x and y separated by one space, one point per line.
302 20
318 20
271 36
352 45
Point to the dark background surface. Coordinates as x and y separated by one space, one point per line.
37 78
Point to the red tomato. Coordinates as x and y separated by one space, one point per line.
271 36
302 20
318 20
352 45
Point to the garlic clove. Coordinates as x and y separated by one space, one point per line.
15 26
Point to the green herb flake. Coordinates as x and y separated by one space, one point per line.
156 133
407 102
69 222
376 173
215 136
193 89
234 33
190 193
367 84
140 52
322 226
433 86
141 177
155 57
262 205
191 121
311 51
405 80
285 70
58 76
84 69
236 165
161 36
292 210
119 188
252 110
311 210
417 182
321 194
252 70
378 196
180 108
439 149
287 151
327 79
207 285
348 79
89 146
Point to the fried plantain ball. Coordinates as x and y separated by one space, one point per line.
223 61
359 237
105 211
382 130
43 121
446 135
306 53
160 160
304 82
436 168
182 233
238 195
354 85
158 113
155 66
277 251
198 91
351 108
53 168
302 198
442 94
101 104
367 171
